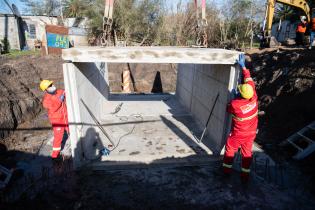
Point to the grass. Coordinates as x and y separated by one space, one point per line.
18 53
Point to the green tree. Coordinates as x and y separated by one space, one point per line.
75 8
135 21
240 21
138 21
5 45
285 12
37 7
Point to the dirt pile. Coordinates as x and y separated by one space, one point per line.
19 93
285 83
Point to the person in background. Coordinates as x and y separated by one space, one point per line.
300 32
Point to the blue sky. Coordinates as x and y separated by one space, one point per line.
5 9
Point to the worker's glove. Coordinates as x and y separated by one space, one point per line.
241 61
62 97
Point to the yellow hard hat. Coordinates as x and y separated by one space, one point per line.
44 84
246 91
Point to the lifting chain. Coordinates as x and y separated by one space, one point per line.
201 28
202 36
107 23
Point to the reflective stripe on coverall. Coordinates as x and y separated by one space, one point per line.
244 125
58 117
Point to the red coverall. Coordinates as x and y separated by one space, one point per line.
58 117
244 125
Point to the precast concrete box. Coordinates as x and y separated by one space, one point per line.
117 129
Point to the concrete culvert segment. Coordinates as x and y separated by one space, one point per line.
148 128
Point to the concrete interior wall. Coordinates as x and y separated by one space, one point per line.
147 77
197 87
86 85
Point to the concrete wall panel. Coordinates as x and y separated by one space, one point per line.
184 86
196 89
86 84
202 84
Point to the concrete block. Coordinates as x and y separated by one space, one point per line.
184 96
201 74
218 72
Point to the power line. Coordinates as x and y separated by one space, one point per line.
8 5
4 7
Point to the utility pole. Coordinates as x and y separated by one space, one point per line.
251 24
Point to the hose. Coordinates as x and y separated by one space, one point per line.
131 131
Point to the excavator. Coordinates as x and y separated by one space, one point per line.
270 11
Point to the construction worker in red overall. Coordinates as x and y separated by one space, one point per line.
54 101
244 111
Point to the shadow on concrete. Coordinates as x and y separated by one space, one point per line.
96 75
185 118
183 136
90 151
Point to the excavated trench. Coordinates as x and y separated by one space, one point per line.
285 84
19 93
18 103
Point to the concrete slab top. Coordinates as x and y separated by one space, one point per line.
150 55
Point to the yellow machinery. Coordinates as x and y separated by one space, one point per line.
270 10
